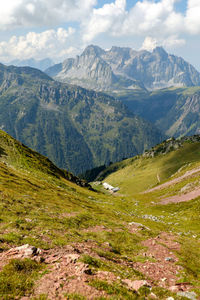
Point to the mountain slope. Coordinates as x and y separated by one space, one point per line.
174 111
59 240
77 129
121 69
155 166
15 155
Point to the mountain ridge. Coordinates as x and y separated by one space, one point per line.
125 69
76 128
41 64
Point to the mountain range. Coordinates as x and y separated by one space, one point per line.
120 69
42 64
76 128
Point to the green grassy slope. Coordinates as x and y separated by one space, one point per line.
39 206
143 172
135 176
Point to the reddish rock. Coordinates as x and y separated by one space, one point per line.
136 284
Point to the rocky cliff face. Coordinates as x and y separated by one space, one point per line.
174 111
184 117
125 69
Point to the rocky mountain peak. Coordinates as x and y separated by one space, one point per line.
160 51
122 68
93 50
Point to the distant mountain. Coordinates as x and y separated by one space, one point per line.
42 64
120 69
76 128
90 70
174 111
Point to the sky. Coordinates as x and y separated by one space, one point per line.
59 29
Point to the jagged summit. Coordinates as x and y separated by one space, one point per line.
93 50
126 69
161 52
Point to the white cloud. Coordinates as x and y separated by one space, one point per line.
170 42
149 44
145 18
104 19
156 21
192 19
22 13
50 43
173 42
152 18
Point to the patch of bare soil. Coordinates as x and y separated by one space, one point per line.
97 228
182 198
134 227
67 274
164 270
173 181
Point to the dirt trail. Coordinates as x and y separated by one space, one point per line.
173 181
182 198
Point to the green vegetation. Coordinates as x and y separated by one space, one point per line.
17 278
39 205
116 290
74 297
171 110
77 129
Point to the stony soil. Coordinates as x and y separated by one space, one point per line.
67 274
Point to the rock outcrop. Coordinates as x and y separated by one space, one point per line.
125 69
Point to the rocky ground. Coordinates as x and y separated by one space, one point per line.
68 274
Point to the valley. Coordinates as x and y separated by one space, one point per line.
64 238
76 128
92 244
99 150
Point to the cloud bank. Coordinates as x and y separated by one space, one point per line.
157 22
50 43
27 13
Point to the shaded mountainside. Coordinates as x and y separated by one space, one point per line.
17 156
174 111
62 241
120 69
77 129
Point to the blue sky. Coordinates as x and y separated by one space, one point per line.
63 28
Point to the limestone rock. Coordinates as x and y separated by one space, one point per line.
24 251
